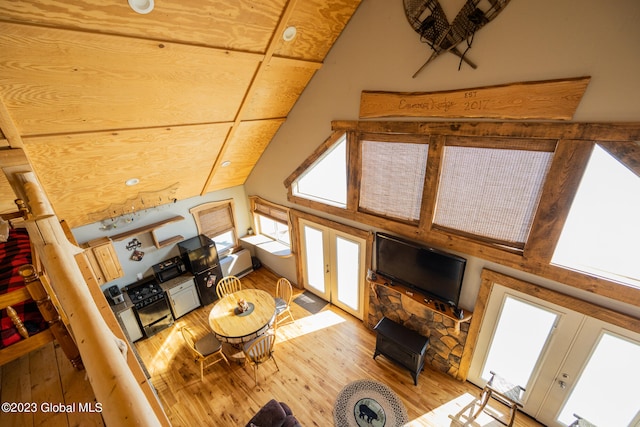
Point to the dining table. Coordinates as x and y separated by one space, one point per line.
231 326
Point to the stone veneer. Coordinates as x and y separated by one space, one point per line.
446 341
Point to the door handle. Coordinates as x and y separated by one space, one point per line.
562 384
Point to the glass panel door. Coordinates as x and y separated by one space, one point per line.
598 381
522 334
524 340
315 260
620 404
333 266
348 279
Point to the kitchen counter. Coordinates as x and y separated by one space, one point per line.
125 305
171 283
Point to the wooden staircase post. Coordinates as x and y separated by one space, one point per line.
33 282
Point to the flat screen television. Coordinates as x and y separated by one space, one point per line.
430 271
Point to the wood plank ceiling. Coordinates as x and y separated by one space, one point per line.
95 93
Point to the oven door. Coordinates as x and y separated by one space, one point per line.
155 317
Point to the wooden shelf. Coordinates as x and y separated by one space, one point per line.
151 228
426 301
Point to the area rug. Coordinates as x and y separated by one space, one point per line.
310 302
368 403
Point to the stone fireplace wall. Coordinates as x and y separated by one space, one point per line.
446 340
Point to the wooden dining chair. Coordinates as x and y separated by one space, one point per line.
259 351
283 296
206 349
228 285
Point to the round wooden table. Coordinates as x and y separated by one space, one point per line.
233 328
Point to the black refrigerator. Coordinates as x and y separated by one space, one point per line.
201 259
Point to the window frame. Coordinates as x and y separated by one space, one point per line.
519 144
198 211
573 144
272 211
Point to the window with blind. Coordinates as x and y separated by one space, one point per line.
490 194
392 179
271 220
215 220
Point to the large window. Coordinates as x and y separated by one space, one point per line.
601 235
326 179
489 193
393 179
215 220
500 191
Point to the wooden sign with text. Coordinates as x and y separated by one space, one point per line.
550 99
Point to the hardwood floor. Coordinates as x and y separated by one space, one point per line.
318 355
42 378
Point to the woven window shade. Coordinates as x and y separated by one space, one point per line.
491 193
393 178
216 220
272 212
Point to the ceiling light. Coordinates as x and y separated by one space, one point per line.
289 34
141 6
225 163
131 182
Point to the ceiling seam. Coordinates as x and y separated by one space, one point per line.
288 11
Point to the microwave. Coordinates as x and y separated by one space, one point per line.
199 253
167 270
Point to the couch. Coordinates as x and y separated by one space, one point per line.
274 414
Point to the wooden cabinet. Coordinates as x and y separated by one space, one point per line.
183 297
103 260
130 323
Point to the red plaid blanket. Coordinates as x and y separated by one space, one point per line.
13 253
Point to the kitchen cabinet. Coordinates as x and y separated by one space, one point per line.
103 260
130 324
183 296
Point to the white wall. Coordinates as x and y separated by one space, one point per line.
186 228
529 40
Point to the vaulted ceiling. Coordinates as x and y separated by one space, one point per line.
95 93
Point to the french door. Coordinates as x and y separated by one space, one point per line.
569 363
598 379
333 266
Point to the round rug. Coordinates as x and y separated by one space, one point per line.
368 403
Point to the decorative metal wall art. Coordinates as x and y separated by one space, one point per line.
126 212
429 20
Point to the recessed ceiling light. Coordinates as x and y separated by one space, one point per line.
225 163
141 6
289 33
132 181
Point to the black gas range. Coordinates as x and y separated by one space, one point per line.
151 306
145 293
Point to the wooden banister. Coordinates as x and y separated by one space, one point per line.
123 401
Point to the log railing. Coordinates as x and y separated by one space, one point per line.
123 401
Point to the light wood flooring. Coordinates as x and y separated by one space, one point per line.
318 355
42 378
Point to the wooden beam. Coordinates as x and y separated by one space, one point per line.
558 192
9 128
612 131
550 99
